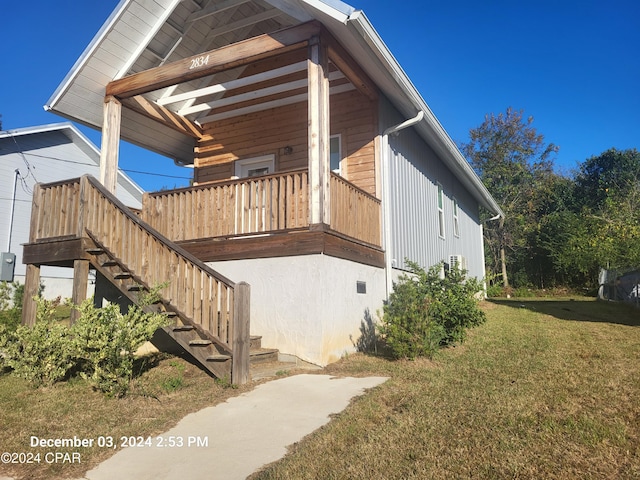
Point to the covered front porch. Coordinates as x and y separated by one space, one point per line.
293 97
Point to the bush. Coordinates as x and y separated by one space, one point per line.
44 353
106 341
99 347
10 305
495 290
425 311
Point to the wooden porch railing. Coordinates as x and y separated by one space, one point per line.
258 205
249 205
199 294
354 212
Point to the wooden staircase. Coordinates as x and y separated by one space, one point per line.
204 347
210 312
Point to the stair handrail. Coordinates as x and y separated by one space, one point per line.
138 221
237 332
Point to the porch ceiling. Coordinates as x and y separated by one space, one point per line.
140 36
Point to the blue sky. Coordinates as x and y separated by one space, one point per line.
573 65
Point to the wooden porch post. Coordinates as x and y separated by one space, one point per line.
110 143
31 290
241 321
32 274
80 280
318 132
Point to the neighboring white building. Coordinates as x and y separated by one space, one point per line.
45 154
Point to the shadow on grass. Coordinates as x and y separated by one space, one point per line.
579 310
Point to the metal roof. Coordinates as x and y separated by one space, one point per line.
142 34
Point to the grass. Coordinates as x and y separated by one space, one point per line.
160 397
547 388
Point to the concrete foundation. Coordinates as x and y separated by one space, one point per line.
312 306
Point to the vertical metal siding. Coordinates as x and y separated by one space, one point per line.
415 172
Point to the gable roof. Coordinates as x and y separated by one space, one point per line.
140 35
67 129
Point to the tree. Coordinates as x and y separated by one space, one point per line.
598 225
513 160
612 179
607 193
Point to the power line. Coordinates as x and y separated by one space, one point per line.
48 157
155 174
17 199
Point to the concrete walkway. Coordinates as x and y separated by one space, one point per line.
242 435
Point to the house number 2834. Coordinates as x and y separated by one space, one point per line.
199 62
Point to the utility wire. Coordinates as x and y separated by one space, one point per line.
48 157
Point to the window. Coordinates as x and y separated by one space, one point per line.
253 167
440 212
456 220
335 153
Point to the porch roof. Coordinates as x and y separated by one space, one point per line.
140 35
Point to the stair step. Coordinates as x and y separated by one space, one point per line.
110 263
182 328
171 314
263 355
122 276
218 358
200 343
94 251
255 341
135 288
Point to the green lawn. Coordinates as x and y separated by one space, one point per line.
545 389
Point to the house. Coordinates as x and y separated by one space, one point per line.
318 169
46 153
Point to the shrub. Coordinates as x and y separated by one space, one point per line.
44 353
495 290
106 342
10 305
425 311
99 347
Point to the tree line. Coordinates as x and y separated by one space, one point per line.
559 229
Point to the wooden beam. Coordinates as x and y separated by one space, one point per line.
110 143
260 107
214 61
79 291
164 116
232 84
241 325
318 133
35 213
31 290
319 241
347 65
214 9
60 252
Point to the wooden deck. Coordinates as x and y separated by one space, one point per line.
271 204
